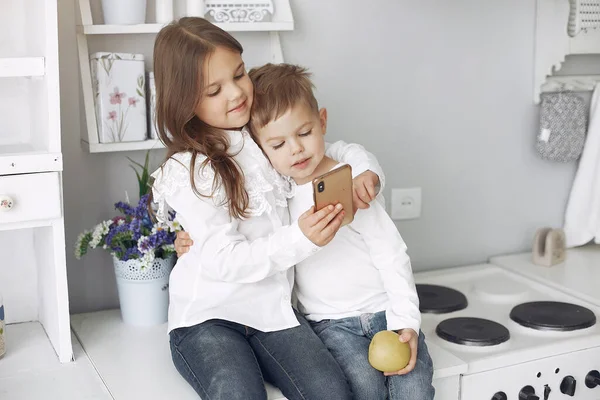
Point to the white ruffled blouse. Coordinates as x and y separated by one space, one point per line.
238 270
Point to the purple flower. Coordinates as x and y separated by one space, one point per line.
134 234
144 245
125 208
132 253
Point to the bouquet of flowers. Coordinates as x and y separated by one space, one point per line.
132 235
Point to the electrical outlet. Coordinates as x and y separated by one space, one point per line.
406 203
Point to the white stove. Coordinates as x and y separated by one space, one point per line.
520 339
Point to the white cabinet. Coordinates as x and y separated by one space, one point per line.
33 278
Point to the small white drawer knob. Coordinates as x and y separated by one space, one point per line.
6 203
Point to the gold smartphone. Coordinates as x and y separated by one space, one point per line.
335 187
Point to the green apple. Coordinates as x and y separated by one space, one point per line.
387 353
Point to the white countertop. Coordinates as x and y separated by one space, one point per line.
445 364
578 275
134 362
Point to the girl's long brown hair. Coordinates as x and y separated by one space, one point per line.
180 51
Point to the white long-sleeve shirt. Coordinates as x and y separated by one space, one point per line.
364 269
238 270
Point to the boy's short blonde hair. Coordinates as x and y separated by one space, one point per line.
278 88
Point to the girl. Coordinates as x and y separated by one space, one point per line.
230 318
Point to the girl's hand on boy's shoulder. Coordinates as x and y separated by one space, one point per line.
412 338
320 227
183 243
363 188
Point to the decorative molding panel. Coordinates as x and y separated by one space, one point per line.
239 11
553 43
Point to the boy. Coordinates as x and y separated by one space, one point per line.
361 282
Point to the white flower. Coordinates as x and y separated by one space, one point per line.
142 245
173 226
78 244
147 260
99 231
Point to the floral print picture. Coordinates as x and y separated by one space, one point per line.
119 86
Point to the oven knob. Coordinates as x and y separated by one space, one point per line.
500 396
528 393
567 386
592 379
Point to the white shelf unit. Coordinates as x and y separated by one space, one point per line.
21 67
149 144
154 28
576 83
553 44
33 272
282 20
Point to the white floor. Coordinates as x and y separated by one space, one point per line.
30 369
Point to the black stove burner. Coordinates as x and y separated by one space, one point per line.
434 299
552 316
472 331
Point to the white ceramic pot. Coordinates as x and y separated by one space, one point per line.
124 12
144 292
194 8
164 11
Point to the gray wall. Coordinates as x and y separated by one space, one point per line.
440 91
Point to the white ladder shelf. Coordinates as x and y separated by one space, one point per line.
282 20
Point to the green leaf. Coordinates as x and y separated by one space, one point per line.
136 173
135 162
142 174
139 93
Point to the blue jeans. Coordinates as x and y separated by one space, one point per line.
348 340
226 360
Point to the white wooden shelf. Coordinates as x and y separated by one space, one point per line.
281 20
34 282
21 67
576 83
150 144
553 44
155 28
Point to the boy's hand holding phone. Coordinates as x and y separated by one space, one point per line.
364 189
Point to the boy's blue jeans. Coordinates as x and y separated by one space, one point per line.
348 340
225 360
